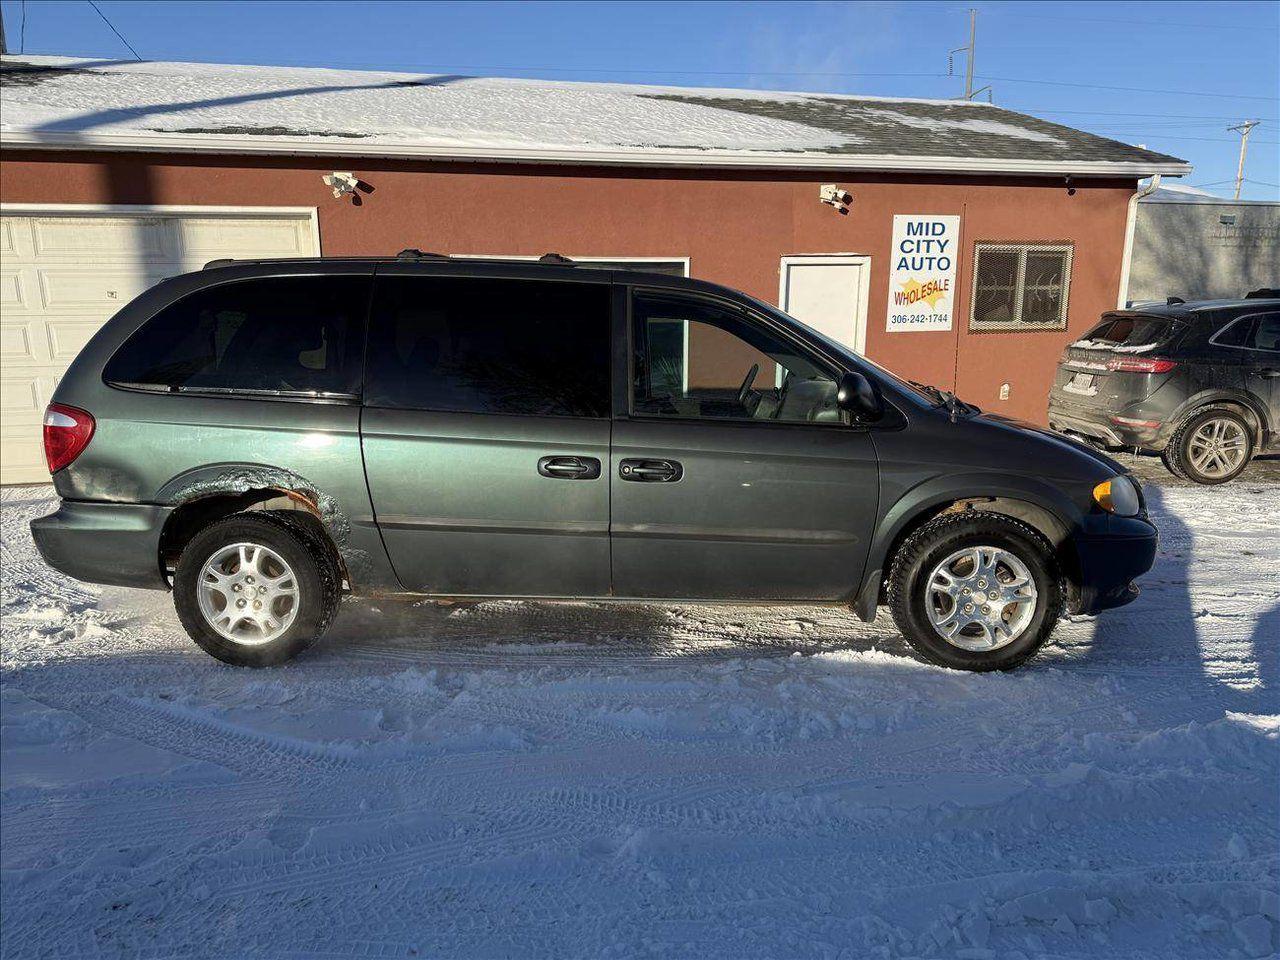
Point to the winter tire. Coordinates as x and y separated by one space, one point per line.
1212 446
975 591
255 590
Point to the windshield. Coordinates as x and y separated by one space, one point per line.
906 386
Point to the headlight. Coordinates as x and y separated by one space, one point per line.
1118 495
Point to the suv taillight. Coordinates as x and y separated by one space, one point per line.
67 431
1140 365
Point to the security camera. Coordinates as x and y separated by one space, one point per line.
341 183
835 196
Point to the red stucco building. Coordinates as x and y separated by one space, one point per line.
115 175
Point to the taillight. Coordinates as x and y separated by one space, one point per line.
67 431
1140 365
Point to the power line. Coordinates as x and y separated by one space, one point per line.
115 31
1135 23
1099 86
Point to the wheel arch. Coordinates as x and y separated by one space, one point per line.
1039 505
1254 411
208 494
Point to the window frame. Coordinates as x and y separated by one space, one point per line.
1257 319
342 398
1066 248
624 408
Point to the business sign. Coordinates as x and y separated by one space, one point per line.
922 273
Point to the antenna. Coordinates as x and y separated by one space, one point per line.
1242 129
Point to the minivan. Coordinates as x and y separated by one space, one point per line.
1198 383
263 437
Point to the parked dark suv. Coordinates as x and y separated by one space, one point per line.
1197 382
263 436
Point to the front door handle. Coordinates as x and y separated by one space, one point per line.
569 468
1267 373
651 471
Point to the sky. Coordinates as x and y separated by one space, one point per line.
1170 76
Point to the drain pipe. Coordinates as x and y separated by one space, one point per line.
1126 261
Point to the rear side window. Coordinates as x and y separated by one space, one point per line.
1266 334
1234 334
294 336
479 345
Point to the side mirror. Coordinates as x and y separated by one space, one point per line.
857 395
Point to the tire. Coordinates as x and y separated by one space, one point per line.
1180 453
300 617
1031 620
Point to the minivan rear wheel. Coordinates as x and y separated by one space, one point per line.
975 591
1212 446
255 590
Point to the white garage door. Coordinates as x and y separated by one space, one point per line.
64 272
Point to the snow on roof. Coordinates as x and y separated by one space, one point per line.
62 102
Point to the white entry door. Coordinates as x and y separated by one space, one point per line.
829 292
65 270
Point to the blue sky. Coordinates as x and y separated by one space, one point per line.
1191 69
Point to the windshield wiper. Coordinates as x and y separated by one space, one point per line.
955 406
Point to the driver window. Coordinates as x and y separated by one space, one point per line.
699 360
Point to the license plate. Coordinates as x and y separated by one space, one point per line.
1081 383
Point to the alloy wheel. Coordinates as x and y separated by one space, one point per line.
248 593
981 598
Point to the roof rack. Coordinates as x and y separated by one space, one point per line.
1173 301
220 262
555 258
413 253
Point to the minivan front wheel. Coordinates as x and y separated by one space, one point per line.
975 591
254 590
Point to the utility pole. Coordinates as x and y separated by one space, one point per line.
968 70
969 92
4 47
1242 129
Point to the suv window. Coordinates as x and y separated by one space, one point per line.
479 345
1266 333
697 359
1131 331
1234 334
295 336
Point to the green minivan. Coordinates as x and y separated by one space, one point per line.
262 437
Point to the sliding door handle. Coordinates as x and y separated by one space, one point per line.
650 471
569 468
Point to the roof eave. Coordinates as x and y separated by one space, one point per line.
621 156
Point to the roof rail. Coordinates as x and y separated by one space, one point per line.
413 253
554 258
1263 293
220 262
1173 301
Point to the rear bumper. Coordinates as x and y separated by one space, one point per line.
1102 565
111 543
1097 425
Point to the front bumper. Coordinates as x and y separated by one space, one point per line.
1103 561
111 543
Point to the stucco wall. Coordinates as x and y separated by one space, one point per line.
734 226
1186 250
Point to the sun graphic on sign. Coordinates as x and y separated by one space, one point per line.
930 295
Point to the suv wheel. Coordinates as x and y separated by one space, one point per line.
1213 445
975 591
255 590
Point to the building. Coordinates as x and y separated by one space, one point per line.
1190 244
953 242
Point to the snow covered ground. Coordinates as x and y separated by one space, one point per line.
512 780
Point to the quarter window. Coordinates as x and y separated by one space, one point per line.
697 359
292 336
1020 286
478 345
